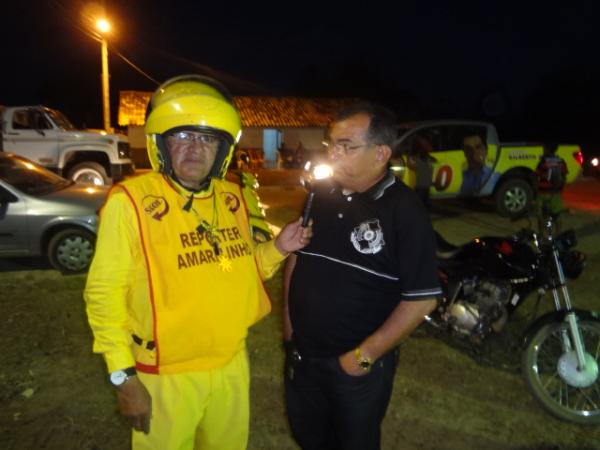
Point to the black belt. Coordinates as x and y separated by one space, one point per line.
150 345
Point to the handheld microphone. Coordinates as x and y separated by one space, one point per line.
307 208
319 172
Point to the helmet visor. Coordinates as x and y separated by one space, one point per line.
197 139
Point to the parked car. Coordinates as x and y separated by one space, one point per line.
42 213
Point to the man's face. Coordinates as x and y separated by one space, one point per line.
357 164
192 155
475 152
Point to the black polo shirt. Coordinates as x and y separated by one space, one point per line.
369 251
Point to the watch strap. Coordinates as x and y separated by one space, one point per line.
130 371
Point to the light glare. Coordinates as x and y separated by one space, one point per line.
103 25
322 171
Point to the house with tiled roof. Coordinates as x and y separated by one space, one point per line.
268 123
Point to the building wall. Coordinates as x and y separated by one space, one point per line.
251 138
136 135
137 142
309 138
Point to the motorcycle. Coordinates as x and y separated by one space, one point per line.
486 280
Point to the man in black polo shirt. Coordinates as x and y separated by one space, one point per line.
362 285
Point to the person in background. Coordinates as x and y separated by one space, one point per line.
286 155
176 279
551 173
363 284
477 172
421 161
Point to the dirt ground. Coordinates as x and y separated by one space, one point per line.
54 393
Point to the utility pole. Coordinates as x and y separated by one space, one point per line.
104 27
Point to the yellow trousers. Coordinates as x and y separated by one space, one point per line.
206 410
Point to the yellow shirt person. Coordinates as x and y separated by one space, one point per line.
177 280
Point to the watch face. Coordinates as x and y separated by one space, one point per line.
118 377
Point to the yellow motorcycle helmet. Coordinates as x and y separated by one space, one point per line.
196 103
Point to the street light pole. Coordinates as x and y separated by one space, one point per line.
104 27
105 89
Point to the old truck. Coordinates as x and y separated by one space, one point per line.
466 159
48 138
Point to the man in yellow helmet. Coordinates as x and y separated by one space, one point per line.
177 280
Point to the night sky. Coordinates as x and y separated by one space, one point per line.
533 69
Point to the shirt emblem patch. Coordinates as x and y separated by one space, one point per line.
231 201
155 207
367 238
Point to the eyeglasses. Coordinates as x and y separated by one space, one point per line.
343 147
187 137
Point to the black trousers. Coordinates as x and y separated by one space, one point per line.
331 410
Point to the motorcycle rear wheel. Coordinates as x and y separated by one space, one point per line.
539 366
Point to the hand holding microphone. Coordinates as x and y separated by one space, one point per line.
320 172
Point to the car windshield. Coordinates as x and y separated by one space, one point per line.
30 178
402 145
404 128
61 120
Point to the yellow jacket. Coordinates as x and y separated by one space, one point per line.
157 276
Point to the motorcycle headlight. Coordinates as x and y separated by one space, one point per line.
565 240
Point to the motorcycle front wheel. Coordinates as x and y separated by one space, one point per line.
556 387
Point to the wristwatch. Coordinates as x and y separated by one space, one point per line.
364 362
119 377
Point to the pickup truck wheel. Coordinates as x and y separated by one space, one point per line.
71 250
89 173
513 197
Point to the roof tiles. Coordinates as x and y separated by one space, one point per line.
263 112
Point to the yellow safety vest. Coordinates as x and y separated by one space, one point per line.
202 289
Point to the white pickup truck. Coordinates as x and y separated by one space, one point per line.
466 159
47 137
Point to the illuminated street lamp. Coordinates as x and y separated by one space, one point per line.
103 27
